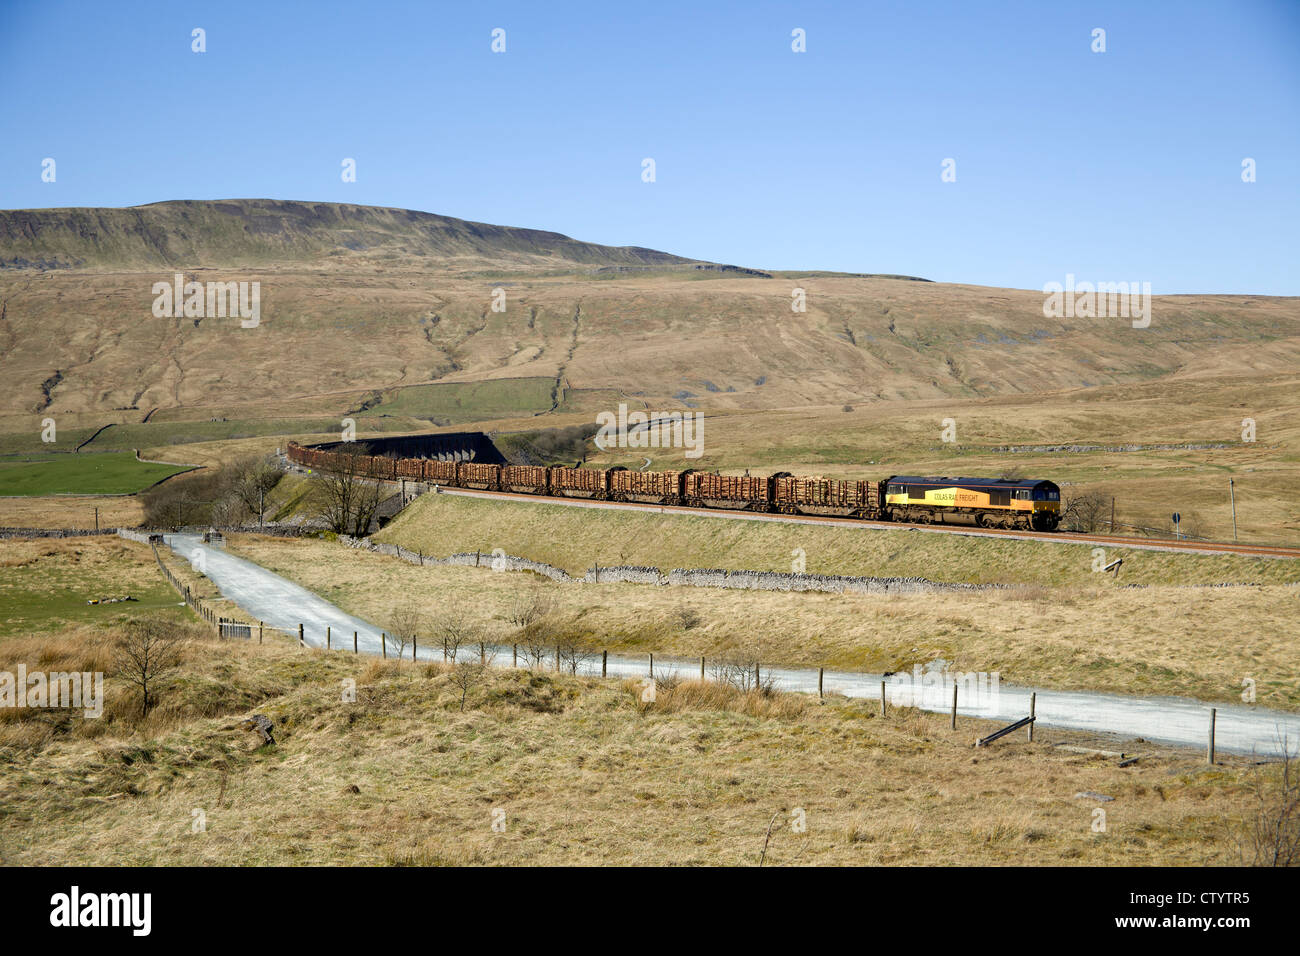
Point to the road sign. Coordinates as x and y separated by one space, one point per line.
1177 517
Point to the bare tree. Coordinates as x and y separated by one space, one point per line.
455 626
466 675
686 617
537 640
1086 511
227 495
344 497
145 656
667 680
227 511
1272 837
405 623
743 672
528 606
185 500
531 612
574 654
250 479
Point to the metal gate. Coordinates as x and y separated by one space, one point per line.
235 629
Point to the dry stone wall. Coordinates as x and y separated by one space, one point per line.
678 577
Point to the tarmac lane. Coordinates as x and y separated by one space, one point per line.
1241 729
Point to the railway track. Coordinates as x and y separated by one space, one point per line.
1053 537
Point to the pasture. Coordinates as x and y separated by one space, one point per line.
107 473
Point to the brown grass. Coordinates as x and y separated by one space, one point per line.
1077 637
71 512
583 772
905 355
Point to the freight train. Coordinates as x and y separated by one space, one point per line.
986 502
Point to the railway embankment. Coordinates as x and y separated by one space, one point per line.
576 539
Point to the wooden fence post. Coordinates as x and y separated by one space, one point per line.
557 658
329 637
383 644
413 646
821 678
757 680
1033 709
701 668
514 651
652 665
354 643
259 631
301 642
1209 754
954 703
882 698
604 663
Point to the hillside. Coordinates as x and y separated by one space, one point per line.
190 234
408 298
387 316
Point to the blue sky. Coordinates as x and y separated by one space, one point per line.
1122 165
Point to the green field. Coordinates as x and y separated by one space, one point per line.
45 584
109 473
161 432
27 443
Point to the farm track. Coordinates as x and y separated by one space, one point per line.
1054 537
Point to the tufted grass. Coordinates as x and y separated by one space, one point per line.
578 771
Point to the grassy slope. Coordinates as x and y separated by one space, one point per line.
470 401
233 232
110 473
70 511
582 772
45 583
1079 636
576 539
407 299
